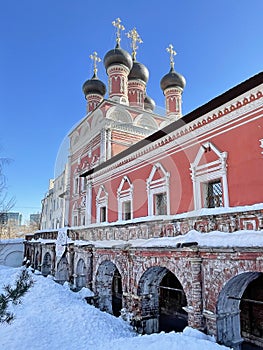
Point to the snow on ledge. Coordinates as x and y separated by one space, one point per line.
242 238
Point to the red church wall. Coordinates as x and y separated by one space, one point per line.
244 166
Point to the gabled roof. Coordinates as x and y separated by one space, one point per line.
202 110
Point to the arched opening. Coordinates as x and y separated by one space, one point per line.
171 302
109 288
62 274
162 301
81 274
116 293
37 261
251 315
14 259
46 266
235 311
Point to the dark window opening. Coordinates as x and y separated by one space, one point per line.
160 200
126 210
171 301
102 214
251 315
116 294
214 193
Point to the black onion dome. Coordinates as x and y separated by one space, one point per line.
117 56
94 86
139 71
149 103
172 79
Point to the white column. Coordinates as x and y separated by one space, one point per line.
88 202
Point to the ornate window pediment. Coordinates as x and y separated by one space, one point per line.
125 199
209 176
158 191
102 205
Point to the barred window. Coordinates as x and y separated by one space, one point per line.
214 196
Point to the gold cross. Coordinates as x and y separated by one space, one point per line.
119 27
95 58
172 54
133 34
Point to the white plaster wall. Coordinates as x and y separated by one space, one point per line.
11 252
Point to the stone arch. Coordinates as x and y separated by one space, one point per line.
146 121
14 259
81 272
97 119
85 130
62 274
228 309
162 301
108 286
74 138
37 260
119 115
46 265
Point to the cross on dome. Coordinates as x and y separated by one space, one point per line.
117 24
95 58
172 54
135 38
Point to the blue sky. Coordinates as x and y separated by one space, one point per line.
44 60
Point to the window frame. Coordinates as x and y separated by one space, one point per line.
207 173
125 196
154 187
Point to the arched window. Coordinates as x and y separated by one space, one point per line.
102 205
158 191
125 199
210 177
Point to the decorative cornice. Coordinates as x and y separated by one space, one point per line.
229 112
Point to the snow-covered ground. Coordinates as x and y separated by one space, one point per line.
53 317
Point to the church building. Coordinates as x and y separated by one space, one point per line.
139 183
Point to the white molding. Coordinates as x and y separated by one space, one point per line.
207 172
101 201
170 143
157 186
88 202
124 196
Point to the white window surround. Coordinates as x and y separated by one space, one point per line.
261 144
101 201
75 214
208 172
88 202
160 185
124 196
76 184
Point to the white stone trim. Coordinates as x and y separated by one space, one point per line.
101 201
164 145
261 144
207 172
158 186
88 202
124 196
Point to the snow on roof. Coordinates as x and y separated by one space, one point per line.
242 238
